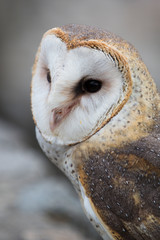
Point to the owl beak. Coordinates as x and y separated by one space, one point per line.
59 114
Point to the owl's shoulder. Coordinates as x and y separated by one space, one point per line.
124 186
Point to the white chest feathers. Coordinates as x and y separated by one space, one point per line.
61 156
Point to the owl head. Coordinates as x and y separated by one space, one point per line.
81 80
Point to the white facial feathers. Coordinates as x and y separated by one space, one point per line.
67 68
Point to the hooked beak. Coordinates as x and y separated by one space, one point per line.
59 114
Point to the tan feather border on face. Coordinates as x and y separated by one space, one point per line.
119 60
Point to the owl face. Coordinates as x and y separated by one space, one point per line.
76 88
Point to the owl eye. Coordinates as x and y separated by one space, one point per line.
48 76
91 85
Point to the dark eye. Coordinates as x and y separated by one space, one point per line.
48 76
91 85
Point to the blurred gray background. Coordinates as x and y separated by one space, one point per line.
36 201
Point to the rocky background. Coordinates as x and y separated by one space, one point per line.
37 202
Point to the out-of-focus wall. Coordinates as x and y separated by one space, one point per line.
23 22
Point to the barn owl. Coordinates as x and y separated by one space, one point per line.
97 112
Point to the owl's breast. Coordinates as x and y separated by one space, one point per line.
61 156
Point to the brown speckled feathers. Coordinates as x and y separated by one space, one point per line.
124 186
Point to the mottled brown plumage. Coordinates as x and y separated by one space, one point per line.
118 163
124 185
